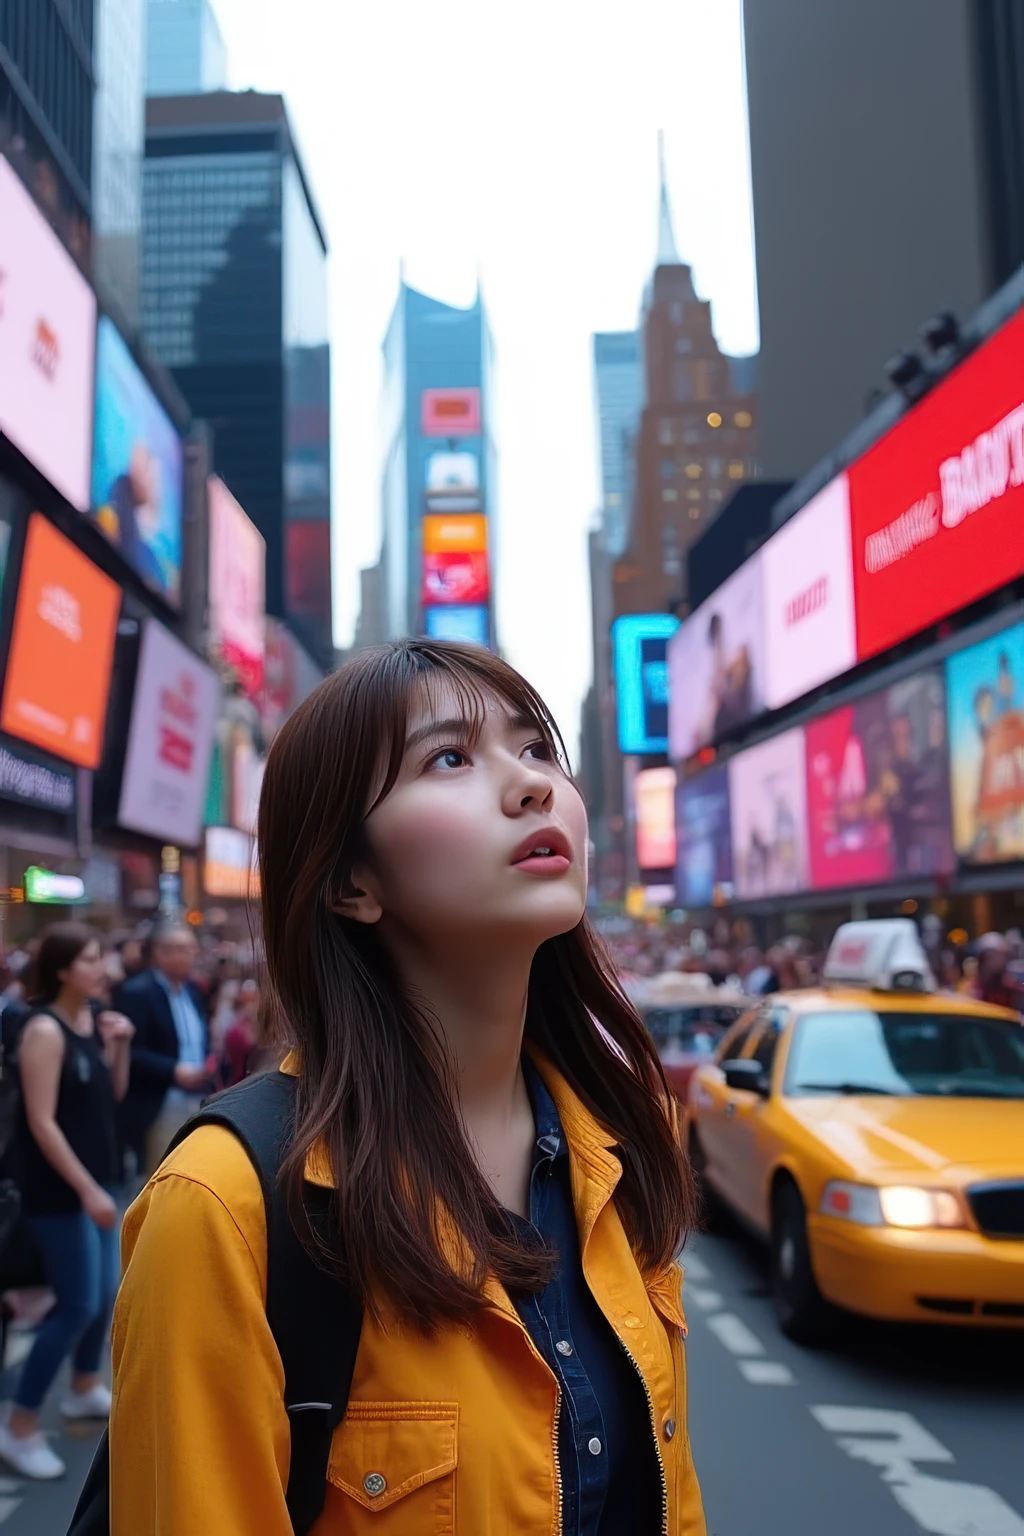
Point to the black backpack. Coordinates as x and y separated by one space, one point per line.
314 1318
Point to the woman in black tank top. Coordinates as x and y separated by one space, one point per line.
73 1065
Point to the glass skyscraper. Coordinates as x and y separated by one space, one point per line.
185 52
618 377
119 131
234 300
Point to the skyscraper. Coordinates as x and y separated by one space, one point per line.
439 471
119 134
185 52
234 301
618 380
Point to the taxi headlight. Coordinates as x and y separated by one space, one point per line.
906 1205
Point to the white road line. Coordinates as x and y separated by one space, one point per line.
707 1301
893 1442
733 1332
767 1373
695 1267
7 1508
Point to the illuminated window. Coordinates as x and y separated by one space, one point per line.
693 495
693 471
669 495
695 512
736 470
714 420
743 419
665 433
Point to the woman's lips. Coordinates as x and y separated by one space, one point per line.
543 864
546 852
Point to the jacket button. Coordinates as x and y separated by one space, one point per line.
594 1446
670 1428
564 1347
374 1484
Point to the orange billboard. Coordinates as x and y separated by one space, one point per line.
454 533
62 647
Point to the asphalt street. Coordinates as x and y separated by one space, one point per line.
889 1432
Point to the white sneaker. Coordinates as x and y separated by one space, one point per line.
94 1404
31 1455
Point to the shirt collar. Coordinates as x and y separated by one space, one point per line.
551 1142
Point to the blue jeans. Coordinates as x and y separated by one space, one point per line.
81 1267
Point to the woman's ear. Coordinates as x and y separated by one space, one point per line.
357 899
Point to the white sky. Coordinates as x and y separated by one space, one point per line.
518 143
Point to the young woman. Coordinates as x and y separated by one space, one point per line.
73 1064
508 1193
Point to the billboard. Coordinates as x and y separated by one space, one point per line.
62 646
230 869
469 623
985 686
170 738
308 574
808 598
768 810
654 797
136 468
238 557
452 472
639 646
450 413
47 345
878 786
704 852
456 534
937 505
455 579
716 663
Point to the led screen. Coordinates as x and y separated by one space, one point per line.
136 468
62 645
639 644
47 345
937 505
450 412
768 808
654 792
452 472
455 578
716 663
878 786
704 856
458 623
238 558
985 685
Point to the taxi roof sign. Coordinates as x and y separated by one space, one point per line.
885 955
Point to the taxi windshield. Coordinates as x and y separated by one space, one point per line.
945 1054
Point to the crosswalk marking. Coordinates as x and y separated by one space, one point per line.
695 1267
707 1301
733 1332
767 1373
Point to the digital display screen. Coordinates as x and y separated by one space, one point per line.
639 643
985 687
716 663
458 623
768 807
704 863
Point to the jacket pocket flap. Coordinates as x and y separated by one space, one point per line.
383 1451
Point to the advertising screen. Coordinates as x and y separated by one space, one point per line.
230 869
985 685
308 573
238 557
654 799
454 534
453 578
458 623
136 468
452 472
808 598
639 646
704 860
47 345
716 663
878 786
937 506
450 412
768 807
62 645
174 709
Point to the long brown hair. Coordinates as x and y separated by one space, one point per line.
377 1090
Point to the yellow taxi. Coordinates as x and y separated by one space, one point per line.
873 1133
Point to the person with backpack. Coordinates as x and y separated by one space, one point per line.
73 1066
457 1306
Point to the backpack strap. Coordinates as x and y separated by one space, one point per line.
315 1319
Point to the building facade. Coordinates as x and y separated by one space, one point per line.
185 52
887 165
619 393
234 303
119 135
438 550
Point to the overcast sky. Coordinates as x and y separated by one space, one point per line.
517 145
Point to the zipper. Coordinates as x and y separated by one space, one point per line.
554 1452
654 1427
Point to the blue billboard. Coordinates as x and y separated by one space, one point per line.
704 875
639 651
985 700
459 621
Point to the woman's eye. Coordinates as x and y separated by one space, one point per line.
540 750
451 757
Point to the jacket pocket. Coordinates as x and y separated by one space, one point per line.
399 1454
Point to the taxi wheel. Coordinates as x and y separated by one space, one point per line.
802 1311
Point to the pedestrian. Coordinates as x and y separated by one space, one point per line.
169 1073
240 1053
73 1066
508 1193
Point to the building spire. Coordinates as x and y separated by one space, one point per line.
668 255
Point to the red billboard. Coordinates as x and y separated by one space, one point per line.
937 505
450 413
455 578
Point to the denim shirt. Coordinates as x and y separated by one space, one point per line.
611 1481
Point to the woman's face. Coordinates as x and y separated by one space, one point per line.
481 837
85 974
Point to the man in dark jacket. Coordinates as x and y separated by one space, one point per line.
168 1066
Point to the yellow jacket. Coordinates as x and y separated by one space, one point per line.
461 1427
